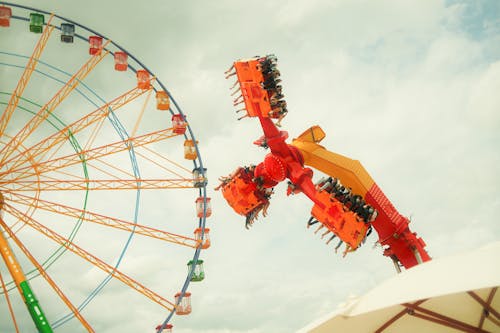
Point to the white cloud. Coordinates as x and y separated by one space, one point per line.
402 86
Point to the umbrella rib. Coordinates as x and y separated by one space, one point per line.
484 314
485 305
494 321
442 319
459 327
396 317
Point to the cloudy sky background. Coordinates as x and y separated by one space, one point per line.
409 88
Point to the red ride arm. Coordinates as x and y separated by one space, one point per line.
393 230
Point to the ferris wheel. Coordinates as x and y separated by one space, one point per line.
101 181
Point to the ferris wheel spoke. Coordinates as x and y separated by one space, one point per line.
46 276
9 304
161 165
98 184
96 116
91 154
57 174
163 158
88 216
25 77
16 226
50 106
139 117
113 173
54 176
31 222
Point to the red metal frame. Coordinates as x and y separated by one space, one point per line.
248 190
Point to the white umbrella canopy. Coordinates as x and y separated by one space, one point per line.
452 294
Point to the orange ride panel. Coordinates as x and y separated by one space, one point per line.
250 79
242 194
344 223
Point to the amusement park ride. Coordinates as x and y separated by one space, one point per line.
347 204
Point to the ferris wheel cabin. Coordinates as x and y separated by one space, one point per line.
143 79
121 61
162 101
198 272
205 240
67 32
200 177
184 306
5 15
201 203
179 124
36 22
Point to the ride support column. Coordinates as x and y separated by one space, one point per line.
23 286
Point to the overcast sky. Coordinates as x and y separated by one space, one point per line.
409 88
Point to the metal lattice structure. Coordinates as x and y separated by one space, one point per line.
90 164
